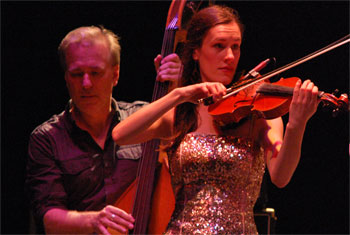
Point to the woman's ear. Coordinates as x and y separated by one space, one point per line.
195 54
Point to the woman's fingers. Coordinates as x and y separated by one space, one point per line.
304 102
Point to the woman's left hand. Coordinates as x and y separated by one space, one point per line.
304 103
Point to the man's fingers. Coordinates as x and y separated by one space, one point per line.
157 61
122 214
171 58
103 229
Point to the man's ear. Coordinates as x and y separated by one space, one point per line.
66 78
115 75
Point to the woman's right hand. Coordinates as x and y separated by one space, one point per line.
193 93
155 120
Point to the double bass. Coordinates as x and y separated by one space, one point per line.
152 208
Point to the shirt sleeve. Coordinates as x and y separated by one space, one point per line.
126 109
43 181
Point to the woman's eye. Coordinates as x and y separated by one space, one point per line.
236 47
219 45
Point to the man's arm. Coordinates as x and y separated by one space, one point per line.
48 196
57 221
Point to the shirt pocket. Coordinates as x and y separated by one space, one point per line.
81 176
76 165
131 151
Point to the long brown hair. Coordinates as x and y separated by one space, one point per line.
185 120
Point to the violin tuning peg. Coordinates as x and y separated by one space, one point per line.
335 112
335 92
325 105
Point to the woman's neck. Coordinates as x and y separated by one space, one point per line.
205 121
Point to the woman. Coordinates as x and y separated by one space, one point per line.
217 172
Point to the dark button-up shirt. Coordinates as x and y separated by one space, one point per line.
67 169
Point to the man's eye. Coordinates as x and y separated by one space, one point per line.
94 73
75 75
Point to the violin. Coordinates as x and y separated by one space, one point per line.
269 100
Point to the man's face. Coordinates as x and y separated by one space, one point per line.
90 77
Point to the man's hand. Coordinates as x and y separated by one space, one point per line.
59 221
114 218
169 68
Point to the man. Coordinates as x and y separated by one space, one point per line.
75 171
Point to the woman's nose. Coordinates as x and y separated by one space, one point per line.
229 55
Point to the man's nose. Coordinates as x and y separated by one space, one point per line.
87 81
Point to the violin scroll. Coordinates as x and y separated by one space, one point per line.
341 104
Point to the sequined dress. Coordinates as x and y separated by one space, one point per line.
218 179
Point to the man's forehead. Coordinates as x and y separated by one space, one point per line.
89 43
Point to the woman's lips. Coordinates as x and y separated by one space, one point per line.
227 69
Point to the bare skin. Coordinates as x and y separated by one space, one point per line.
217 57
90 78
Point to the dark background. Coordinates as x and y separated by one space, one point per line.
33 89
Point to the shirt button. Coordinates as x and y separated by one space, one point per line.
95 155
93 168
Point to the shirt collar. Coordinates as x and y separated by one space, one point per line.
71 125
